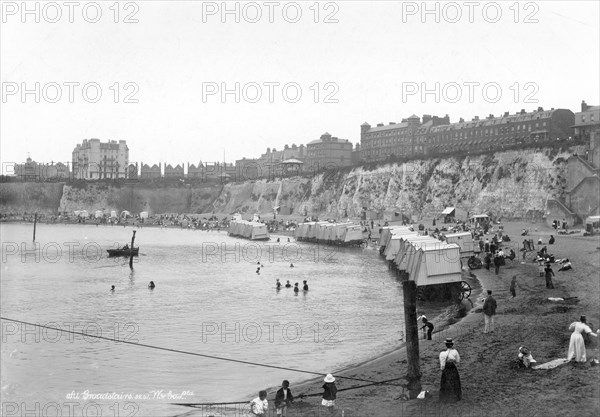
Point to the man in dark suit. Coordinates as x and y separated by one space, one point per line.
489 311
283 398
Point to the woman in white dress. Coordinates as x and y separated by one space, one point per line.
577 344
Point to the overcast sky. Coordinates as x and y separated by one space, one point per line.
356 61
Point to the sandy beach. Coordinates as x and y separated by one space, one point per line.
492 384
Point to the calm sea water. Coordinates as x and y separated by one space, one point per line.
208 299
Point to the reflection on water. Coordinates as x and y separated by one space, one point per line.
208 299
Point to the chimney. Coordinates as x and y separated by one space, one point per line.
584 106
490 117
426 118
268 150
392 123
505 114
379 124
461 120
475 118
522 111
540 109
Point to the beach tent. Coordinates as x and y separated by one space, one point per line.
393 244
592 224
479 218
352 234
113 214
144 215
464 240
99 214
383 235
449 213
301 231
338 231
325 232
125 214
387 231
315 229
82 213
392 247
408 247
435 263
259 231
392 216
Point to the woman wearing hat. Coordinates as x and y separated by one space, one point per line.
450 389
577 344
329 393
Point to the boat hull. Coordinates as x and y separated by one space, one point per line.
122 252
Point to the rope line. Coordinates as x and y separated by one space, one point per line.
202 355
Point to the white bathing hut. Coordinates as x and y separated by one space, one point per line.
465 241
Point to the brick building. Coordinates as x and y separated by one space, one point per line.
328 152
496 133
396 140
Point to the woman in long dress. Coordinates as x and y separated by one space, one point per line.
577 344
450 389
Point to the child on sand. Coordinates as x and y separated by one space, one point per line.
259 405
329 393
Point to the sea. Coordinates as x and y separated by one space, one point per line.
214 329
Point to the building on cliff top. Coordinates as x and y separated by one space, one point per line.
583 173
268 165
328 152
31 171
396 140
93 159
437 137
174 172
149 172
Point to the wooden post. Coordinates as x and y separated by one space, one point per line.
413 375
131 251
34 225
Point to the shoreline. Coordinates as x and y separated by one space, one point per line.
491 381
487 372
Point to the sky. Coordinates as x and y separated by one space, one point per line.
153 73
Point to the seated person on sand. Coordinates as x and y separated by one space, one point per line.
525 358
566 265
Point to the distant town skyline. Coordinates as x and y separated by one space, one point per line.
380 62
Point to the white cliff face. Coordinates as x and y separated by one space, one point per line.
513 184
